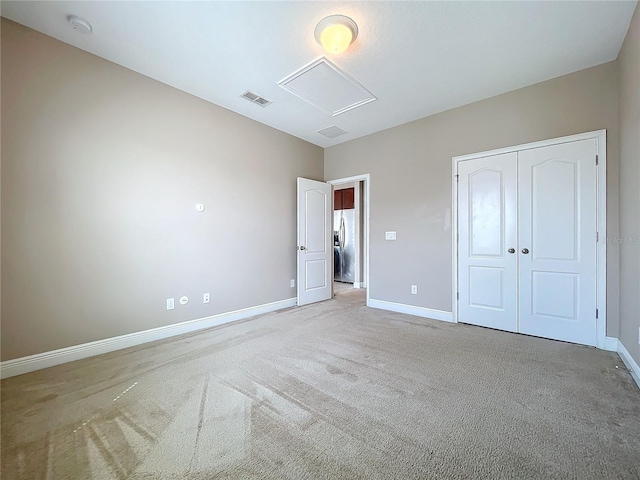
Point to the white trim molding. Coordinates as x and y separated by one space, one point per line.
18 366
600 137
630 363
611 344
411 310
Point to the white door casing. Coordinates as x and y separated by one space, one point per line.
561 222
366 181
315 253
557 227
487 231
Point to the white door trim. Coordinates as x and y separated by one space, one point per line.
600 137
366 178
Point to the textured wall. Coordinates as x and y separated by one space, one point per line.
629 238
411 174
101 171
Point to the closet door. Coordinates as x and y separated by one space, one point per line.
557 241
487 258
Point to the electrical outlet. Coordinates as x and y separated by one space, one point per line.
414 289
170 304
293 283
206 298
389 235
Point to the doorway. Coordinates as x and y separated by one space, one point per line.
351 235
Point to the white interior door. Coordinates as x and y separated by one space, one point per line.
315 250
557 248
487 261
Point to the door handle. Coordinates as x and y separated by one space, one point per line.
302 248
525 250
512 250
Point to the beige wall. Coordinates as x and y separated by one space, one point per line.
629 62
101 171
411 173
102 167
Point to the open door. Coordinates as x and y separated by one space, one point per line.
315 252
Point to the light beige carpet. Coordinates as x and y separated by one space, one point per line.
333 390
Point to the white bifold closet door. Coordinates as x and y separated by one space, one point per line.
487 228
527 241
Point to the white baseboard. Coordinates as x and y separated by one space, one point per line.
611 344
631 364
411 310
18 366
356 285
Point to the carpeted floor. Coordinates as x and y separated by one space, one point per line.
328 391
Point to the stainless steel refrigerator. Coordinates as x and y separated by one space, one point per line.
344 245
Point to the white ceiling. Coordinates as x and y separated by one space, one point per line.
417 58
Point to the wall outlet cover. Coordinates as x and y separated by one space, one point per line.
170 304
389 235
293 283
414 289
206 298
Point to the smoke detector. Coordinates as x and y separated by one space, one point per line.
80 24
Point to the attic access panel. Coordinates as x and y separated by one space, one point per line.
325 86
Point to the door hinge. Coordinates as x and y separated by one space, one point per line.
596 159
457 178
458 295
597 237
596 313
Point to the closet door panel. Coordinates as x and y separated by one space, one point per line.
487 230
557 241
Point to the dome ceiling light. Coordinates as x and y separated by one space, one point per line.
335 33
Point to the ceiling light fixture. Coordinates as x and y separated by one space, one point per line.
335 33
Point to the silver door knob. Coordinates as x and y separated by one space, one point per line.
512 250
302 248
525 250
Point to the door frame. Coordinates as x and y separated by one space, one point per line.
366 178
600 137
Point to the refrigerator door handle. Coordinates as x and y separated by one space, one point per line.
342 232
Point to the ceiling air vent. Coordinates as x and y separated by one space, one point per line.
254 98
332 131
